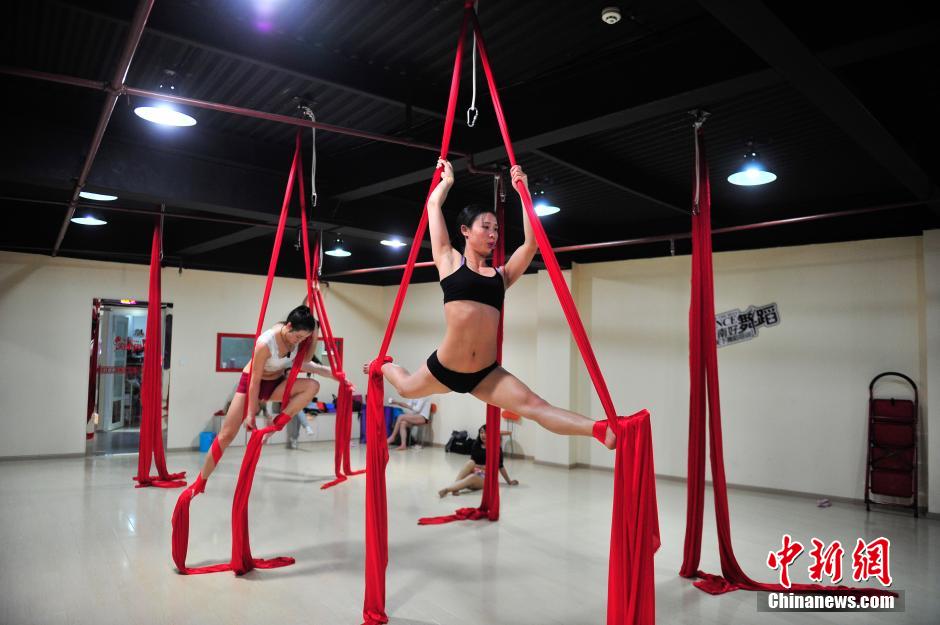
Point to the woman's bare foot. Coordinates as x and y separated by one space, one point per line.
442 493
610 441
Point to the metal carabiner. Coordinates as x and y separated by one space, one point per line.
475 112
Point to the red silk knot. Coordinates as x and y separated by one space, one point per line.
375 367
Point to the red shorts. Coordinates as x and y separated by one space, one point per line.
267 386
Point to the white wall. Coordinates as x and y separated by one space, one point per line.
45 314
793 399
555 370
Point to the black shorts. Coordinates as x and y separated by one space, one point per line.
455 380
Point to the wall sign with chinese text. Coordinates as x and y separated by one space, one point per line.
735 326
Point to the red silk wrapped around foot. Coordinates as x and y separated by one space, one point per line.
180 522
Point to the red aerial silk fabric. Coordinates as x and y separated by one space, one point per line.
634 533
489 503
373 610
151 388
703 371
630 596
341 462
242 560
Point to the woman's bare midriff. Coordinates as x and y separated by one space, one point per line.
470 341
266 375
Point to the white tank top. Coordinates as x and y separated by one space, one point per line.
275 363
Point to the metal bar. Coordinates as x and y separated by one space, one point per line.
258 226
283 119
357 272
141 211
223 108
135 32
672 237
59 78
741 228
92 254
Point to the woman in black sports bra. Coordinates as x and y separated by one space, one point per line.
473 298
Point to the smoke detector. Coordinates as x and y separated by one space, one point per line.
611 15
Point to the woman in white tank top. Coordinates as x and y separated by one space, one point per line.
273 357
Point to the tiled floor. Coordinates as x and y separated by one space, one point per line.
80 545
125 440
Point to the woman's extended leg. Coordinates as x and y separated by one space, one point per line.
412 385
501 388
465 470
472 482
230 427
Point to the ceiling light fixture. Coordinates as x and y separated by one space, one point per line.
88 220
338 250
100 197
752 172
164 115
543 208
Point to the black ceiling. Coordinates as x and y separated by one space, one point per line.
840 102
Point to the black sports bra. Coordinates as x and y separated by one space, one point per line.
466 284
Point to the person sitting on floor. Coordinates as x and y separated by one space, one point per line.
472 474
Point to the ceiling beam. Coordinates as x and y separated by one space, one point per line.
724 90
326 73
608 182
132 41
765 34
224 241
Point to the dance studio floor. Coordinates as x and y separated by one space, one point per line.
79 544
